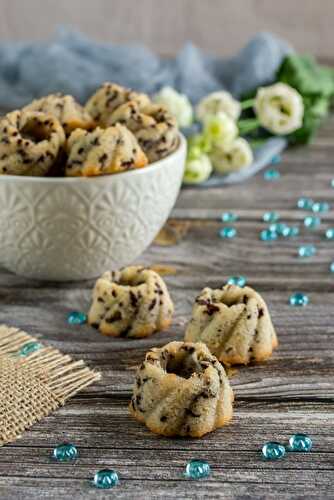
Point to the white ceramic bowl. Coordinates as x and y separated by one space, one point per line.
76 228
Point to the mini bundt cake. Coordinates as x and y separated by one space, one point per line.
70 113
108 98
181 389
29 143
103 151
234 323
132 302
154 127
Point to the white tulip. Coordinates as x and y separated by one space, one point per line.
216 102
197 169
177 104
279 108
220 129
237 156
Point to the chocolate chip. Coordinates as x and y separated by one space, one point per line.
100 299
133 299
152 304
163 418
95 325
261 312
117 316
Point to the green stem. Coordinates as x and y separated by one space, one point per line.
248 125
256 143
247 104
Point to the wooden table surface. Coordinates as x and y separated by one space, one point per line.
292 392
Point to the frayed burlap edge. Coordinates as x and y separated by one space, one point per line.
33 386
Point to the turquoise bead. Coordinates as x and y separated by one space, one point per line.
227 232
197 469
270 217
331 267
29 348
273 451
305 203
298 299
65 452
290 231
278 228
276 159
229 217
237 280
307 251
268 235
105 479
77 318
312 221
271 175
322 206
330 234
300 442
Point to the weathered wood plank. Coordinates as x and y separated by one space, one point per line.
294 391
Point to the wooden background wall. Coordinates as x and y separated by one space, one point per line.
221 26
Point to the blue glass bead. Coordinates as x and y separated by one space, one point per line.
29 348
65 452
305 203
197 469
270 217
273 451
271 175
227 232
330 234
307 251
268 235
229 217
276 159
312 221
77 318
237 280
331 267
332 183
322 206
298 299
300 442
290 231
105 479
278 228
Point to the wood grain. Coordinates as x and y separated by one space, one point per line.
292 392
222 27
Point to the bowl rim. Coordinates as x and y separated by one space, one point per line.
101 178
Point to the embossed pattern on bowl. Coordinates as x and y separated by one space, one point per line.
70 229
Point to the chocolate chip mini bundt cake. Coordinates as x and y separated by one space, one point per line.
108 98
154 127
70 113
103 151
181 389
234 323
132 302
29 143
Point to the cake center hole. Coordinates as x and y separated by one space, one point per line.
183 365
35 131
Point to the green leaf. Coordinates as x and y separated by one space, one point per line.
307 76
